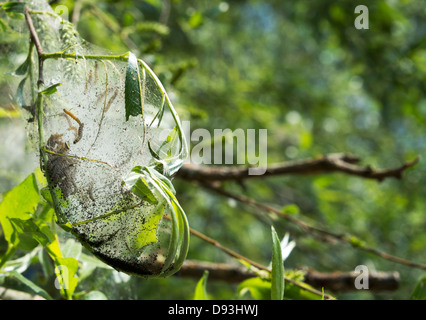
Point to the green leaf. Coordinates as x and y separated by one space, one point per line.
196 20
259 288
290 209
23 68
356 242
3 25
27 234
133 91
36 289
18 203
293 292
47 196
277 277
65 270
200 290
13 6
143 191
50 90
147 232
419 292
179 239
164 193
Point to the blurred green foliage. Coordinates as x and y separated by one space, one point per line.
305 73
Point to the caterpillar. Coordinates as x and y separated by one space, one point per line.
80 126
79 133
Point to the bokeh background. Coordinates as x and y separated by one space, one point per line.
302 71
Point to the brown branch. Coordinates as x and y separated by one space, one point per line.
251 262
344 281
37 44
334 282
313 230
217 271
228 251
336 162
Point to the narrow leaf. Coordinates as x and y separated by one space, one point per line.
35 288
23 68
52 89
277 278
133 93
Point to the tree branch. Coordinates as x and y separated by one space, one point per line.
344 281
251 262
37 44
334 281
313 230
336 162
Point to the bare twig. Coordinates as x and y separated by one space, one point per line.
37 44
336 162
217 271
334 281
251 262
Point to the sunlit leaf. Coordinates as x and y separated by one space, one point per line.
259 289
18 203
52 89
27 235
66 280
201 290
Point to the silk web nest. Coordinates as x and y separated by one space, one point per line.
110 141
